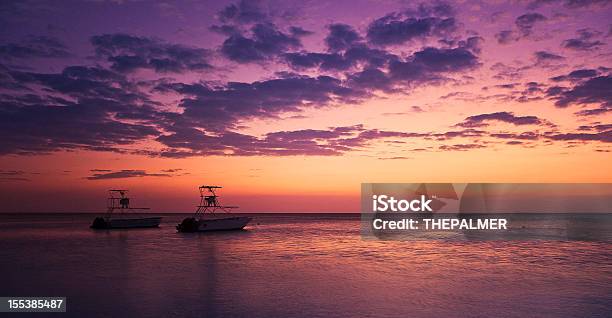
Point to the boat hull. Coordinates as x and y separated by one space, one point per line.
208 225
125 223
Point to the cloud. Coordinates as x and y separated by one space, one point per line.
110 107
430 64
308 142
219 108
524 28
506 37
122 174
378 69
576 75
523 136
341 37
545 57
244 11
584 42
411 109
13 175
395 158
83 109
507 117
596 127
602 133
340 61
401 27
265 42
460 147
595 90
172 170
572 4
35 47
103 110
507 86
526 22
127 53
605 136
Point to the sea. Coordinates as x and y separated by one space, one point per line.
301 265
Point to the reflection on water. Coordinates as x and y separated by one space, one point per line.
297 266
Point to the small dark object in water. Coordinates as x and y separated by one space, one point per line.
188 225
99 223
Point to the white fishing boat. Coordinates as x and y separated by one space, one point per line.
205 219
118 214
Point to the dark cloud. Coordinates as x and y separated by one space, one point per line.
596 127
377 69
245 11
324 61
341 37
595 90
507 72
445 60
411 109
507 117
576 75
395 158
127 53
265 42
87 117
605 136
122 174
507 86
524 28
506 37
401 27
594 112
172 170
461 147
219 108
299 32
13 175
572 4
340 61
35 47
526 22
466 133
522 136
430 63
544 56
312 142
225 29
584 42
103 111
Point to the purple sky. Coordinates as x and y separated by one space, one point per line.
144 81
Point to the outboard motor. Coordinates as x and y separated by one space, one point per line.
188 225
99 223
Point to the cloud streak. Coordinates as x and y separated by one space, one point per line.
123 174
128 53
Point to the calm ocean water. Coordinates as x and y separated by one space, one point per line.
296 266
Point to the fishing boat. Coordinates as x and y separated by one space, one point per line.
118 214
205 219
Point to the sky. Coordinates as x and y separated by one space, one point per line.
291 105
